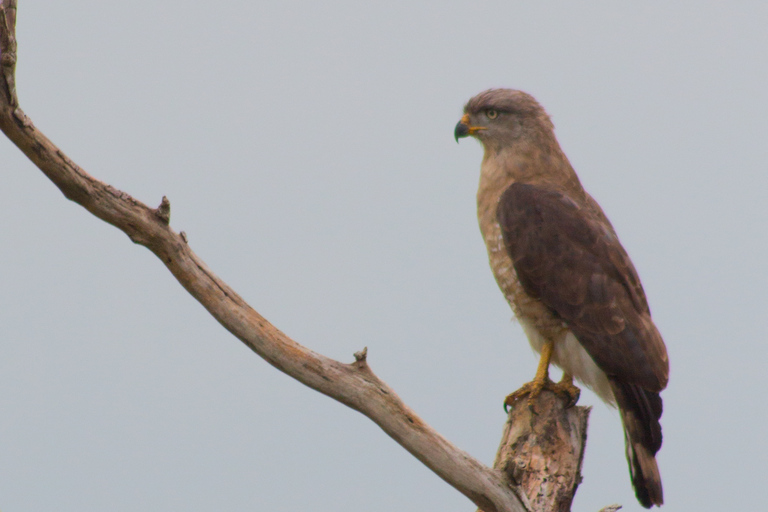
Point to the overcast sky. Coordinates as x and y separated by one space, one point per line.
307 150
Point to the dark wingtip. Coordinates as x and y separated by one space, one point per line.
640 413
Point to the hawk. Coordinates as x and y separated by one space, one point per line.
565 274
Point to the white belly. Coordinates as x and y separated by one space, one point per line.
571 357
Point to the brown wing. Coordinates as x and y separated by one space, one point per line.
568 257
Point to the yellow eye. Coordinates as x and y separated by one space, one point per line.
491 114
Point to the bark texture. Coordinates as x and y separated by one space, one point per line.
541 451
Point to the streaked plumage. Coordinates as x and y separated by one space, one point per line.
560 265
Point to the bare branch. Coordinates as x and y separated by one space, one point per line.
542 449
354 385
538 464
8 52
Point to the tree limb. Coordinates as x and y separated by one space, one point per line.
354 385
542 448
510 487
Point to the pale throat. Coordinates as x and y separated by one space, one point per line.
497 173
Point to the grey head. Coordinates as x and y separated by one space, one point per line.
501 117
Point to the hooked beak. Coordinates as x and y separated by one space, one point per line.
464 129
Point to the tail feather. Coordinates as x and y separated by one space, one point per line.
640 413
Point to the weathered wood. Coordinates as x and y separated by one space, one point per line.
541 451
354 385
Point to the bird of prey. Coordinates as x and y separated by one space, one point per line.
565 274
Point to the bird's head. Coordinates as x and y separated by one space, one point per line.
502 117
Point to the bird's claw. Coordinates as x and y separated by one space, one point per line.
567 390
533 389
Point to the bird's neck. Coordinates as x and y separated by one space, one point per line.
538 164
549 169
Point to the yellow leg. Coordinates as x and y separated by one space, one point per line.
541 381
542 372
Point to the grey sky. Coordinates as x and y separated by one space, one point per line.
307 151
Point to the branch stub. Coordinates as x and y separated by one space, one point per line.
361 356
163 211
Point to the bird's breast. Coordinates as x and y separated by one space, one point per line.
532 310
538 320
494 180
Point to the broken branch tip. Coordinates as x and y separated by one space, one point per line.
163 211
361 356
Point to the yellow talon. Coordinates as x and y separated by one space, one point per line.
542 381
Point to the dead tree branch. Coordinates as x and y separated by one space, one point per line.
541 450
523 461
